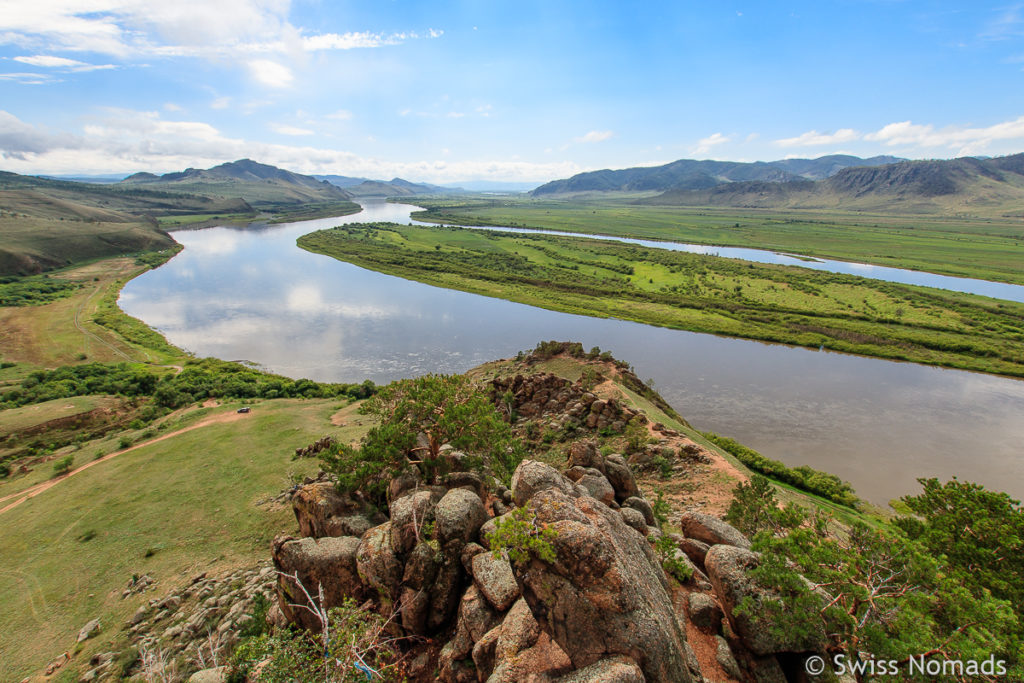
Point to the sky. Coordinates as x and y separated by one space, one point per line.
503 91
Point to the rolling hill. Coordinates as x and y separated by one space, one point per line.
688 174
258 184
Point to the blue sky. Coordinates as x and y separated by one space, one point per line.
519 91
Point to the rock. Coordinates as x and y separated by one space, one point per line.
536 664
494 577
329 562
694 549
408 515
57 663
321 511
476 616
209 675
519 631
488 528
468 480
532 477
729 567
618 669
378 565
768 670
725 658
417 580
403 483
89 630
711 530
704 612
641 504
598 487
447 588
139 616
605 594
469 551
635 519
586 454
459 515
484 653
620 477
576 472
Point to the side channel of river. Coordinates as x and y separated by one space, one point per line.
250 293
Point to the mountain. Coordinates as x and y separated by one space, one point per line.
258 184
688 174
489 186
341 181
396 187
979 186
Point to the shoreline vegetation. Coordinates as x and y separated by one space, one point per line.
987 248
696 292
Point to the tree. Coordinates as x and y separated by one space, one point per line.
417 417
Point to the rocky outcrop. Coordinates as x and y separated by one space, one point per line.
325 563
711 530
321 511
729 568
547 395
605 594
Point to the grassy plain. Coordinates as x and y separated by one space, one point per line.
985 248
191 503
696 292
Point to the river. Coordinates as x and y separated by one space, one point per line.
248 293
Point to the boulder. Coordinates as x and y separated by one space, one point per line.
605 594
417 580
402 483
469 551
597 487
216 675
378 565
704 612
586 454
635 519
408 515
618 669
459 516
484 652
538 663
729 570
711 530
726 659
694 549
89 630
620 477
641 504
494 577
322 511
448 584
532 477
328 562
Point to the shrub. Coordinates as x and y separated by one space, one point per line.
63 466
518 534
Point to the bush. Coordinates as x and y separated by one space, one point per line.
518 534
63 466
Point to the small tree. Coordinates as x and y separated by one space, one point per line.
443 409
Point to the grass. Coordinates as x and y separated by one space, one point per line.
194 499
697 292
990 248
29 416
64 332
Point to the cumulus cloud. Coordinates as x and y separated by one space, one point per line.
964 139
127 141
289 130
271 73
705 145
53 62
813 138
594 136
340 115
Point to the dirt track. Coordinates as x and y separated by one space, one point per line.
34 491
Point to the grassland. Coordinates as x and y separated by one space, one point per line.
195 502
985 248
696 292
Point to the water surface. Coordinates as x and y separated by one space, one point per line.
251 294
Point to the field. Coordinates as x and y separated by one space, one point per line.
190 503
985 248
696 292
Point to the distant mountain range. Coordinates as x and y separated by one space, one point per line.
396 187
688 174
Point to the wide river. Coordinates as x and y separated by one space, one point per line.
251 294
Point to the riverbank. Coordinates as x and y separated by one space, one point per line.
696 292
983 248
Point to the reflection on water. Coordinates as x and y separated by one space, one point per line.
243 293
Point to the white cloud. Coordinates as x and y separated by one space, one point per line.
289 130
965 140
271 73
813 138
220 103
128 141
340 115
349 41
455 114
594 136
705 145
171 106
29 78
52 62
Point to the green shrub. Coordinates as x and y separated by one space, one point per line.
63 466
519 534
